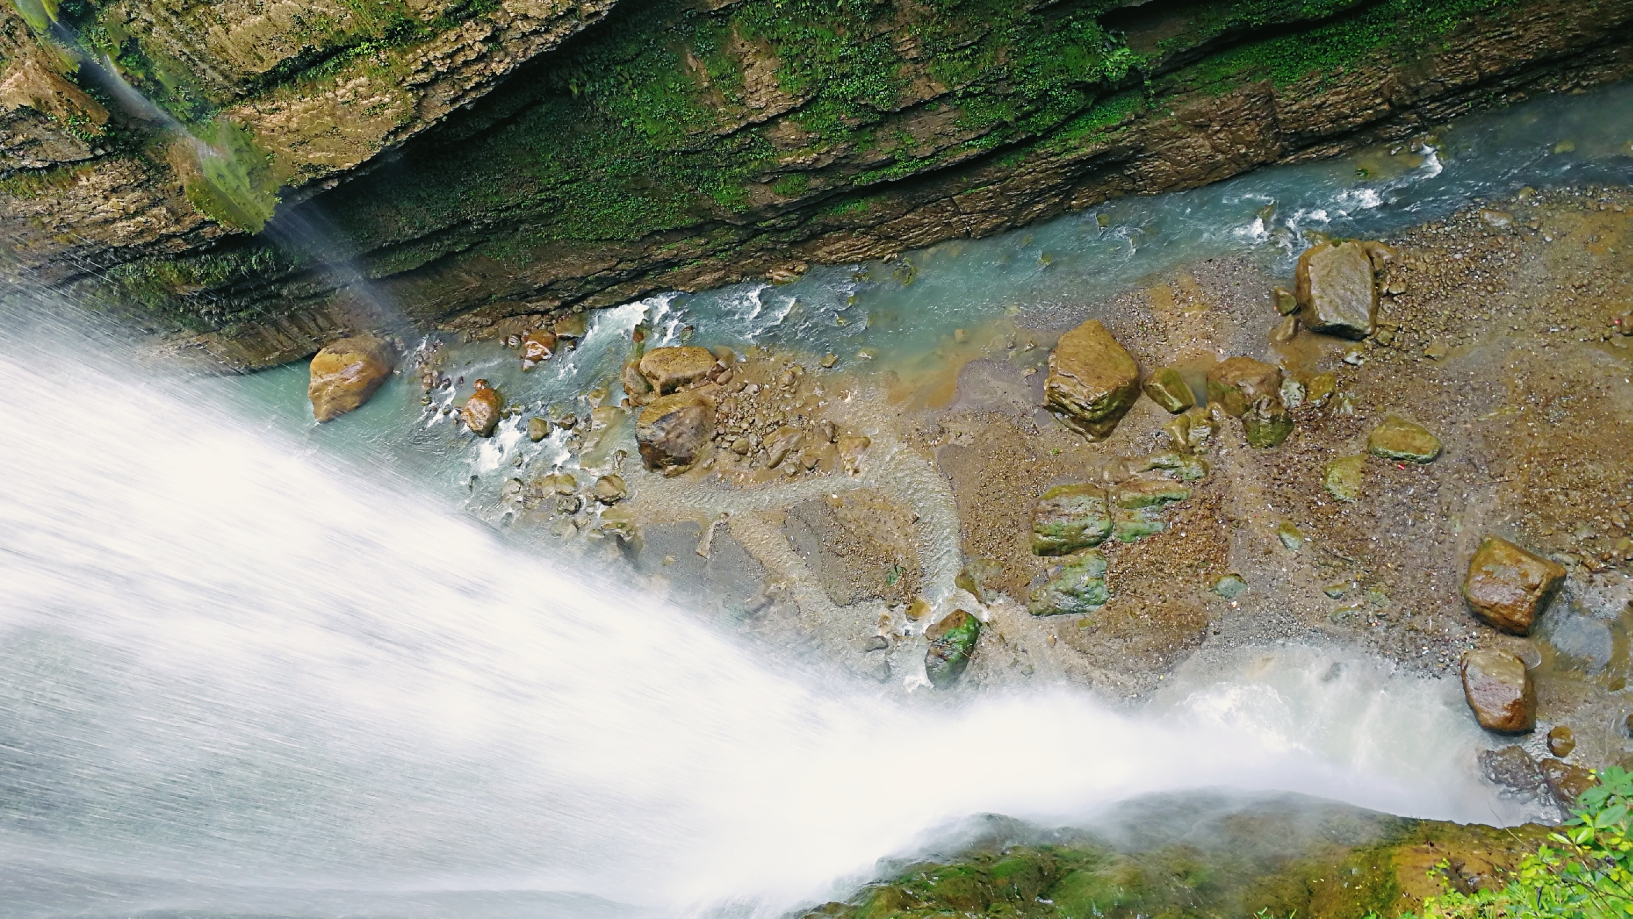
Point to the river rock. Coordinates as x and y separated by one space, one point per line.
481 411
670 369
1511 767
1234 383
1500 691
1285 300
1183 466
952 643
673 430
1342 477
1140 492
1566 780
1267 423
538 345
537 428
1191 430
1092 380
1078 589
1068 518
610 489
1561 741
346 373
978 575
1508 587
1398 439
1336 290
1168 389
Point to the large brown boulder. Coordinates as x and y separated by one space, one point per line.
1237 382
673 430
1508 587
1092 380
1500 691
1336 290
482 410
670 369
346 373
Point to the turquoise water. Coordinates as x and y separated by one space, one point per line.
902 314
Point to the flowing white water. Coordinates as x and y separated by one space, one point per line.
235 677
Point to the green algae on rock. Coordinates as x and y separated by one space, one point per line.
1343 477
1078 589
952 642
1237 382
1168 389
1267 422
1068 518
1396 438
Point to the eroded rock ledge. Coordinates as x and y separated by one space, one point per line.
677 146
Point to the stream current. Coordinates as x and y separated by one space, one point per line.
253 666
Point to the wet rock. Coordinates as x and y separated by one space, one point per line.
1235 383
673 431
1137 493
952 643
1337 292
572 326
1092 380
1267 423
782 442
481 411
610 489
537 429
1285 300
1078 589
829 360
346 373
1229 586
851 449
1321 389
1342 477
670 369
538 345
1508 587
1500 691
1565 780
1068 518
1398 439
1182 466
1289 536
635 385
1169 390
1511 767
977 574
1191 430
1561 741
1285 331
569 504
1132 525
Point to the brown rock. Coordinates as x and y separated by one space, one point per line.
1565 780
1511 767
1168 388
481 411
1500 691
346 372
673 431
610 489
538 345
1336 290
1092 380
1561 741
670 369
1508 587
1235 383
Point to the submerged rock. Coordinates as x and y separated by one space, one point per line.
1342 477
1236 382
1078 589
538 345
1337 291
1508 587
952 643
1168 389
1068 518
1500 691
1511 767
1267 423
978 573
1092 380
1398 439
1289 536
673 431
851 449
1285 300
346 373
670 369
482 409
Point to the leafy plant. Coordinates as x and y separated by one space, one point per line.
1587 872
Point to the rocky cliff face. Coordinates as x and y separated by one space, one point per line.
479 162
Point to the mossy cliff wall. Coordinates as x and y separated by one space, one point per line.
685 144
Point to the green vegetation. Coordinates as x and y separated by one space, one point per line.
235 183
1585 871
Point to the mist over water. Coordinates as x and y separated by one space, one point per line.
236 676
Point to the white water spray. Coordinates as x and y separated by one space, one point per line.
235 678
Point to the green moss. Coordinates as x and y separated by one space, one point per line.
235 183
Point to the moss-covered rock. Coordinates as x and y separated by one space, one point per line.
1068 518
952 642
1396 438
1078 589
1168 388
